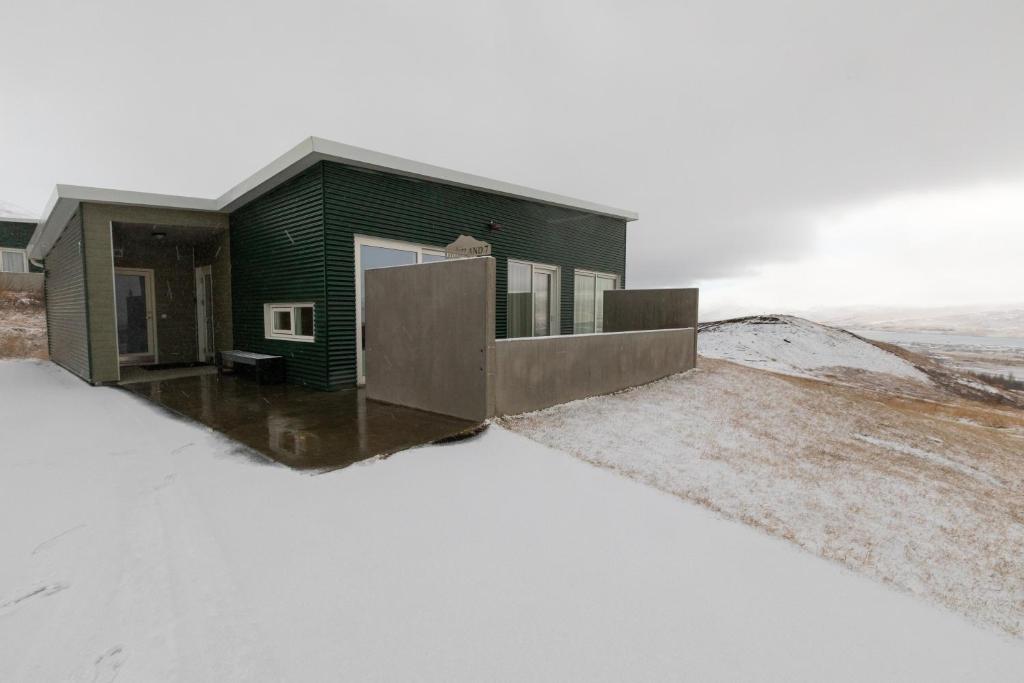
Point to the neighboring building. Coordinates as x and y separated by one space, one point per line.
16 228
275 264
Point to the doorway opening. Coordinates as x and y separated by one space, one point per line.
136 326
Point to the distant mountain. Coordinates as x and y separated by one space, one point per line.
9 210
1003 321
794 346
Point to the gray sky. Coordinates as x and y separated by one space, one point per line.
781 154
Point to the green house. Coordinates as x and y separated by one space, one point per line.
276 264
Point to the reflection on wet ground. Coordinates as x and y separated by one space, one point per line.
300 427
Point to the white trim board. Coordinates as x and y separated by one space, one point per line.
66 198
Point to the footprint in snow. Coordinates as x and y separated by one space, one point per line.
43 591
108 665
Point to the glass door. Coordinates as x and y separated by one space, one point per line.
370 253
133 298
532 300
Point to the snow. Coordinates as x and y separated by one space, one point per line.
145 548
795 346
830 468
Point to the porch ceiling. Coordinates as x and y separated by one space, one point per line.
158 234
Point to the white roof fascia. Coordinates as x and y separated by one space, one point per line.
314 149
9 218
66 198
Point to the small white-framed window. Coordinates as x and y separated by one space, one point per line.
13 260
588 300
291 322
533 297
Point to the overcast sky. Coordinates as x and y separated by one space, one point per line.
782 155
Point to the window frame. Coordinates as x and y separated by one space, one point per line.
555 305
595 274
269 332
13 250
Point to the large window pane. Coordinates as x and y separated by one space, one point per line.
604 283
520 308
583 304
541 304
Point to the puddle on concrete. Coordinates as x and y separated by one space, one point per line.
300 427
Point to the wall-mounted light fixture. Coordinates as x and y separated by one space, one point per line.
493 226
158 235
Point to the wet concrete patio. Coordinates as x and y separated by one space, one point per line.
300 427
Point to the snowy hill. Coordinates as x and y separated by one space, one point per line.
14 212
794 346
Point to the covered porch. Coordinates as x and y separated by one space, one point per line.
172 295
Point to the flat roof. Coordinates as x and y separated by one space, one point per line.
66 198
13 218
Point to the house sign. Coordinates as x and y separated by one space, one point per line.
466 246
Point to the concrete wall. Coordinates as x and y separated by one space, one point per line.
430 336
31 283
651 309
539 372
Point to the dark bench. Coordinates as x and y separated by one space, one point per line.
269 369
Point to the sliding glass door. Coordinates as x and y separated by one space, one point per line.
532 300
588 300
370 253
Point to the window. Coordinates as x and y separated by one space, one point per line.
293 322
374 252
13 261
588 300
532 299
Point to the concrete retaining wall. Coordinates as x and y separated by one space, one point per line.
30 283
430 337
539 372
651 309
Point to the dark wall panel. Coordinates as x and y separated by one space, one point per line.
277 253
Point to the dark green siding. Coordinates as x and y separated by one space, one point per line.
277 256
325 207
16 236
66 316
395 207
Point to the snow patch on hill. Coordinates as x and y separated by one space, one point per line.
794 346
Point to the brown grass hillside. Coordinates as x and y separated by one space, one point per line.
22 326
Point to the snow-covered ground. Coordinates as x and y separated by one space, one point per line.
795 346
918 494
141 547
